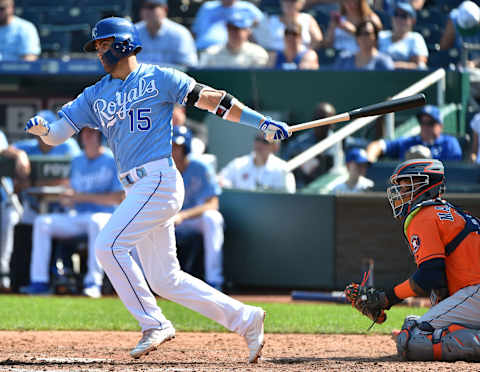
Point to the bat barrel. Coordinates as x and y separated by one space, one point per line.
389 106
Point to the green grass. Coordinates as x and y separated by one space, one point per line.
79 313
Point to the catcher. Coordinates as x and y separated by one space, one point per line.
445 242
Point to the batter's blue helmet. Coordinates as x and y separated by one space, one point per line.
123 31
182 136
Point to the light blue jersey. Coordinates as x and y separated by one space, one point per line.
18 39
134 114
69 148
200 184
97 175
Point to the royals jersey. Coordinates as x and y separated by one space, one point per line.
97 175
429 229
133 114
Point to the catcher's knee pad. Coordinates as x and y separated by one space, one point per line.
451 343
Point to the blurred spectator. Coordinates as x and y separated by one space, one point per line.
199 213
320 164
295 56
164 41
18 37
209 25
261 170
343 25
442 146
407 48
270 32
475 152
463 26
357 164
92 195
238 52
37 147
368 57
418 152
199 130
10 209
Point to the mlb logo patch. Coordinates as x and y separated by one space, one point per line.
415 243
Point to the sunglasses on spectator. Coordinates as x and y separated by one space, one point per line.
150 6
291 33
365 33
401 15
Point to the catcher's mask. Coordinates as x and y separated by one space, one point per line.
415 181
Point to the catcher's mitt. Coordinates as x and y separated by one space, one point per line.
369 301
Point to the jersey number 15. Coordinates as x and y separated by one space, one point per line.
140 119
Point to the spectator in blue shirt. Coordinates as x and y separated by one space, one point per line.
442 146
18 37
407 48
35 147
94 191
164 41
209 26
200 207
368 57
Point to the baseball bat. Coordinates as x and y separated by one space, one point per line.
371 110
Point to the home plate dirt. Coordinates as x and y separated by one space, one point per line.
108 351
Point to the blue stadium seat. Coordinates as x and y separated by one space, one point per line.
432 15
444 58
385 18
326 56
446 5
432 33
322 18
54 40
270 6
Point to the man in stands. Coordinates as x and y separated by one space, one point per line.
164 41
442 146
18 37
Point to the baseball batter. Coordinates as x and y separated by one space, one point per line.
445 243
132 105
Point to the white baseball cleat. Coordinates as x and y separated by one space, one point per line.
151 339
255 336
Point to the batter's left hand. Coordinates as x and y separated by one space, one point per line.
274 131
37 126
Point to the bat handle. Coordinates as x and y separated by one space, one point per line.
318 123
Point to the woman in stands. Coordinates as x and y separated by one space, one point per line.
407 48
294 56
343 25
368 57
270 33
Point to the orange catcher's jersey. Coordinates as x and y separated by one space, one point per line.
429 229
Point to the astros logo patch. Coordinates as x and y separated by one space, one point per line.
415 243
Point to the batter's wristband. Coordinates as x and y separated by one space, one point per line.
251 117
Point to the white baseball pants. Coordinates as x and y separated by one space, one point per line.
63 225
9 217
144 220
210 225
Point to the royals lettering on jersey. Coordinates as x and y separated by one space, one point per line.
430 229
134 113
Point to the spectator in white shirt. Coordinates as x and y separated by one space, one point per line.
259 171
357 164
238 52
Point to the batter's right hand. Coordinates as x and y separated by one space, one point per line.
37 126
